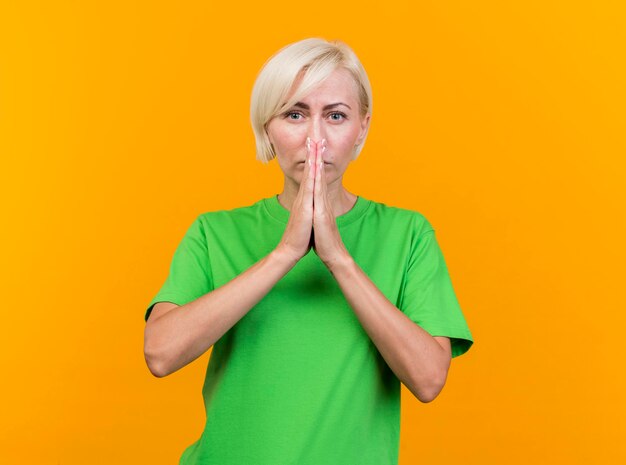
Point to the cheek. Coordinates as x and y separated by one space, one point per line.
344 139
286 137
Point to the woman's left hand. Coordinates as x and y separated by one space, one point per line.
327 243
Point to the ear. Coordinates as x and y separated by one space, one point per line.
365 122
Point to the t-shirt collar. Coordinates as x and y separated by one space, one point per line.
277 211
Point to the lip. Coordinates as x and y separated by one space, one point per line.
326 163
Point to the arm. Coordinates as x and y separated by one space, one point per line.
178 336
418 359
181 334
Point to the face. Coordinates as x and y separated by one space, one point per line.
330 111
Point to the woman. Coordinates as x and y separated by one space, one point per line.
309 348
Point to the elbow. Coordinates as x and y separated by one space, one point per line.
154 358
429 390
427 396
155 367
431 386
155 364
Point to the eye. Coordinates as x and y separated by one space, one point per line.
337 113
290 113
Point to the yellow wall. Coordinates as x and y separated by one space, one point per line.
502 122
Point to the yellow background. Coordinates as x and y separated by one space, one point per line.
502 122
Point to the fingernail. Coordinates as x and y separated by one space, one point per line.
323 145
308 144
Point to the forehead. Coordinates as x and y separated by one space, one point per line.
337 86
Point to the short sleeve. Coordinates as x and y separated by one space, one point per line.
190 273
428 297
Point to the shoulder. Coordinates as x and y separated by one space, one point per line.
400 216
228 215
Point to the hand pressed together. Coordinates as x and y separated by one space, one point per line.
312 222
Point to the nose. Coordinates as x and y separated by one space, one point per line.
317 132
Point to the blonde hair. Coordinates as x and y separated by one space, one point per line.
312 61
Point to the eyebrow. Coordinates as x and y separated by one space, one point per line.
327 107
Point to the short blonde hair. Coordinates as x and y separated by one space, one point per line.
316 59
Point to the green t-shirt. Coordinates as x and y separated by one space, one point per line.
297 381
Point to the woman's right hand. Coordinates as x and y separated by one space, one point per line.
297 239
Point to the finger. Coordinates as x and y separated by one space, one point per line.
312 169
308 181
323 175
319 203
308 172
324 183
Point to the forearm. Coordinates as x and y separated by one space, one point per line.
188 331
415 357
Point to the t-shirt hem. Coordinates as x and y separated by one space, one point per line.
165 297
464 338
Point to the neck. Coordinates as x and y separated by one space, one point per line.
340 199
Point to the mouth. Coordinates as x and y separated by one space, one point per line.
326 163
